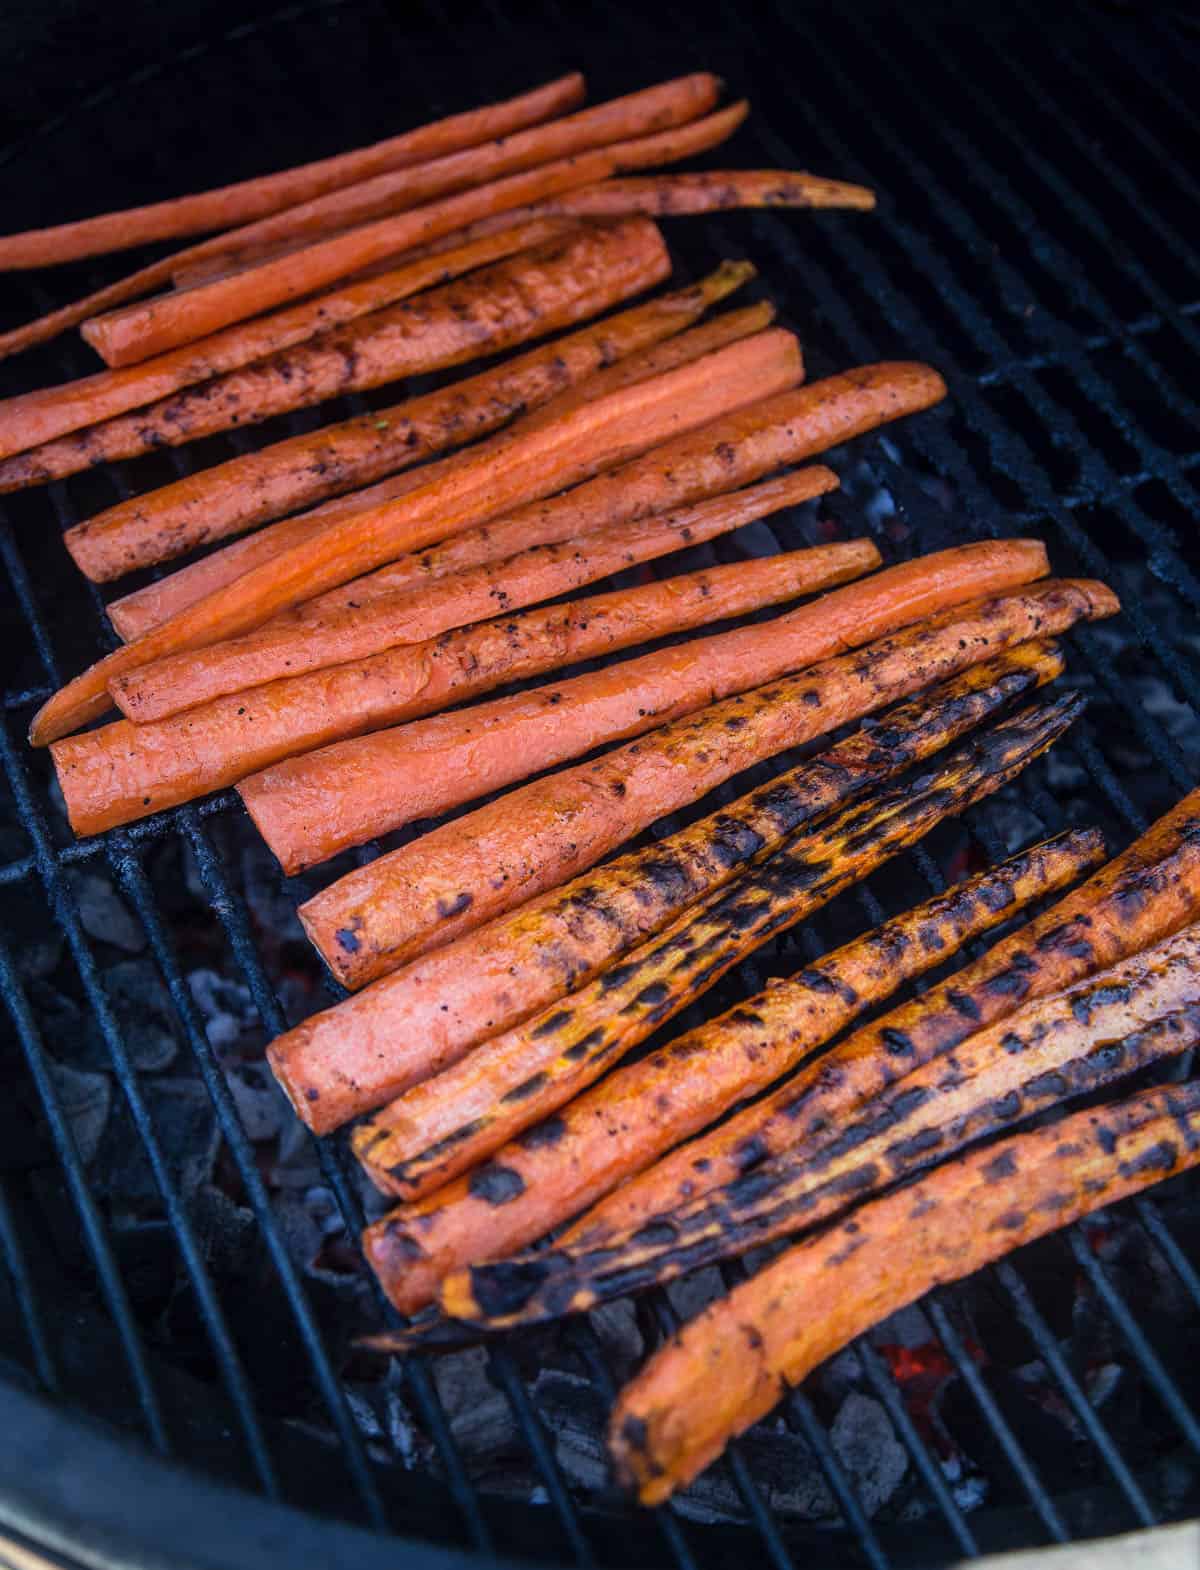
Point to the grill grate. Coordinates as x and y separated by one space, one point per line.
1029 244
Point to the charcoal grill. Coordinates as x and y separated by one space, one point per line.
162 1338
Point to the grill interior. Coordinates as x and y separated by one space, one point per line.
1032 243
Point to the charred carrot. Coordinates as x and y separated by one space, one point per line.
420 1019
501 474
655 109
1145 894
332 631
258 486
416 1246
608 1133
168 320
124 771
731 1364
251 199
1073 1043
38 417
438 888
521 297
137 612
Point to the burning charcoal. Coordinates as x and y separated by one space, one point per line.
1012 823
144 1013
296 1165
226 1006
382 1416
86 1099
867 1447
227 1232
104 914
480 1417
617 1327
183 1119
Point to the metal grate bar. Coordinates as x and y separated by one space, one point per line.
66 911
1162 1383
1043 1339
95 1234
25 1293
1045 1507
1147 1214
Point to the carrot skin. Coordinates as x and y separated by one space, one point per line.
568 516
36 418
396 906
250 199
498 477
417 1245
494 308
421 1019
262 485
124 772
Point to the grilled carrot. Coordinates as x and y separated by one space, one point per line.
460 875
1145 894
308 809
730 1365
501 475
251 199
521 297
637 115
123 771
490 542
38 417
258 486
1072 1043
414 1247
420 1019
168 320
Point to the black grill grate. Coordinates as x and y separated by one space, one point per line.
1032 243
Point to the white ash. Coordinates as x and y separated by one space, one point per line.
104 914
866 1445
480 1417
85 1099
226 1007
262 1108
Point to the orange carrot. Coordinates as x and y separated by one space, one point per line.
422 1018
508 302
610 1133
368 617
502 474
122 771
310 808
634 116
168 320
282 478
497 857
731 1364
235 204
38 417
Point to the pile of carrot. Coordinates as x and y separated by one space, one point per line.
337 659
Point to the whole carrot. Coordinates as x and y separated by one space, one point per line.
637 115
38 417
168 320
458 876
500 475
611 1132
420 1019
251 199
417 1245
122 771
522 297
143 609
731 1364
1075 1042
370 618
281 478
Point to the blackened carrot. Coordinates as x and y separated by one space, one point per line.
419 1020
417 1245
460 875
731 1364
